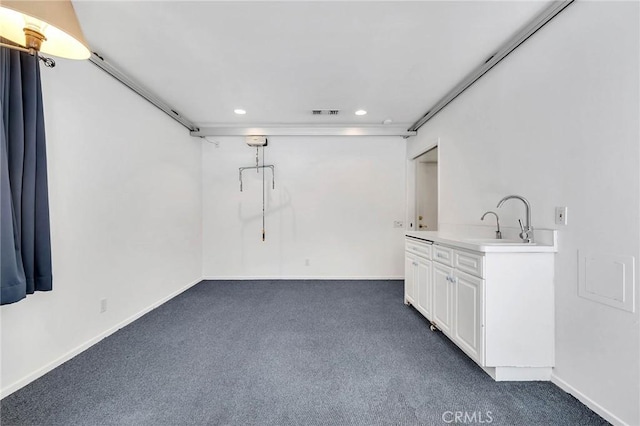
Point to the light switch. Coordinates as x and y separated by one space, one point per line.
561 215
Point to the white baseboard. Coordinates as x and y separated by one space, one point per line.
594 406
519 374
315 278
8 390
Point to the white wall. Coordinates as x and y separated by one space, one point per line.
125 199
558 122
334 204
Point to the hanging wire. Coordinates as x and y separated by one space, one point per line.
264 190
263 230
257 150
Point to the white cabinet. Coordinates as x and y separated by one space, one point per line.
410 277
468 324
458 304
471 263
497 307
443 255
424 281
442 297
418 276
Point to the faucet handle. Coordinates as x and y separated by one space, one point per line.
525 233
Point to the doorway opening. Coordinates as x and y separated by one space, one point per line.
426 214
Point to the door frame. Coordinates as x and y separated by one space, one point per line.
412 175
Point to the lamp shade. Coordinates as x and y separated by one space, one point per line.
54 19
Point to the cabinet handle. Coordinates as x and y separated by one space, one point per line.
440 255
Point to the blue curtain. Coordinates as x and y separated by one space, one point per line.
25 242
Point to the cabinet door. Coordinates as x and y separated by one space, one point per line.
442 296
423 283
410 266
469 318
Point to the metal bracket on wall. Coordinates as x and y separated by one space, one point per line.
114 72
520 37
273 174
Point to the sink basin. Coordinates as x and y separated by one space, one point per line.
495 242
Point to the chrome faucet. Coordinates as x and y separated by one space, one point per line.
526 231
498 233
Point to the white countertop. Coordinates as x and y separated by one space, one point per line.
548 244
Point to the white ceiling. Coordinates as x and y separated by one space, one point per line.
280 60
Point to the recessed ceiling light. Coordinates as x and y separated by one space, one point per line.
240 111
361 112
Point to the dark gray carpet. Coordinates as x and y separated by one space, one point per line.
283 353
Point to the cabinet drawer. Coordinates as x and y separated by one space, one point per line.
419 248
443 255
470 263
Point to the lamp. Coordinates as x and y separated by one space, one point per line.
47 26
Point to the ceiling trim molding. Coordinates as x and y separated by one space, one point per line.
114 72
505 49
303 130
262 130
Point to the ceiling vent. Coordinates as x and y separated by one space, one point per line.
325 111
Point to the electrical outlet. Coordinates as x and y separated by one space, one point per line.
103 306
398 224
561 215
307 262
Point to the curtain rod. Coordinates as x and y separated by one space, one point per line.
48 62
